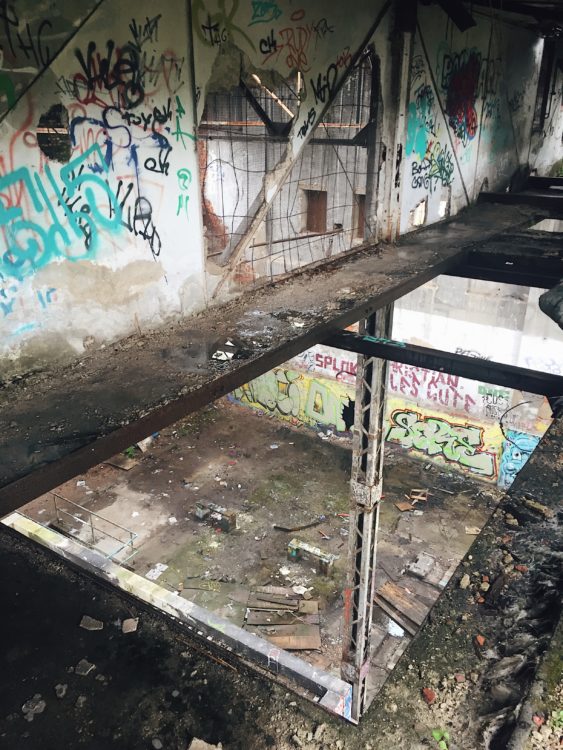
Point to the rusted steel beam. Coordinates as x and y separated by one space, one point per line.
496 373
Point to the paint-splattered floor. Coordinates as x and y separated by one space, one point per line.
271 474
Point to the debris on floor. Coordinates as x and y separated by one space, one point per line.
130 625
284 618
156 571
300 550
84 667
218 516
33 706
402 606
90 623
403 506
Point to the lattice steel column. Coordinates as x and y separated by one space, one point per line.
366 483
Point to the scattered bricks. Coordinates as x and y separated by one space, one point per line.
429 695
485 579
480 600
459 677
480 640
298 550
465 581
521 568
538 719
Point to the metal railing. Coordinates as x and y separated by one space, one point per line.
96 534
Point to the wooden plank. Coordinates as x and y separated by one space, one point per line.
278 600
395 615
293 637
265 617
254 603
404 601
296 642
277 591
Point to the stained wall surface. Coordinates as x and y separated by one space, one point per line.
136 188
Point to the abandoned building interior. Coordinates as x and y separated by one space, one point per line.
281 374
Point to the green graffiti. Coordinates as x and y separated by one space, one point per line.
294 397
461 444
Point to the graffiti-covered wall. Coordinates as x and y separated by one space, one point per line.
103 227
471 108
99 209
154 160
299 399
480 429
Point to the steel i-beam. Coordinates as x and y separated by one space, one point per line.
366 483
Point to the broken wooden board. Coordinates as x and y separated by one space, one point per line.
309 607
404 601
265 617
395 615
293 637
403 506
296 642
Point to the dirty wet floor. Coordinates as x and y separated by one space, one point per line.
271 475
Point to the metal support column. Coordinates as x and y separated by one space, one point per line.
366 483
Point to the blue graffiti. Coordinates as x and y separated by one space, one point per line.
515 452
31 244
